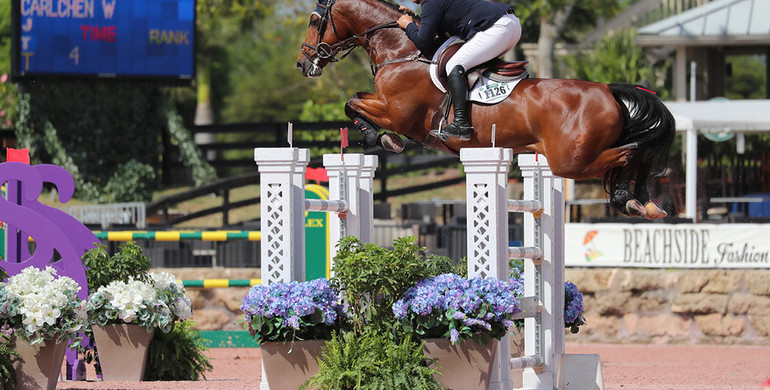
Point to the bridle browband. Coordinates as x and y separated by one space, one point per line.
329 51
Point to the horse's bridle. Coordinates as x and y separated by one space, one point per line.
329 51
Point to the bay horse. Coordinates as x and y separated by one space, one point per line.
618 132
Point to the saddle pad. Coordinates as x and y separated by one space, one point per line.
488 91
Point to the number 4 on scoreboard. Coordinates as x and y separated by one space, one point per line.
75 54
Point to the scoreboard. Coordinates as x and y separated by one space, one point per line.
104 38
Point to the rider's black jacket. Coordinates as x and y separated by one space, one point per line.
453 17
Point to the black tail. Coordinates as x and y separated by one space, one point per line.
649 127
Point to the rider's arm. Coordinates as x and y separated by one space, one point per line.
424 36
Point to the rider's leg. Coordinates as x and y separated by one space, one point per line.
461 127
482 47
485 45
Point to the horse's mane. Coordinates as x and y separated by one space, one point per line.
395 7
389 4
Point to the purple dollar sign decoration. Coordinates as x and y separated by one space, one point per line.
52 229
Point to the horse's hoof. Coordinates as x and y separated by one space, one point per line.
635 208
392 142
654 212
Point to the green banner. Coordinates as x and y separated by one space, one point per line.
316 236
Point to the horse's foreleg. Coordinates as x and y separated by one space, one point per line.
368 113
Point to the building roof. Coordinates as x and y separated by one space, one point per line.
722 116
733 22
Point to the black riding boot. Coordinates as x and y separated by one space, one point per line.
460 128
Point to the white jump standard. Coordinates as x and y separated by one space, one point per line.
489 253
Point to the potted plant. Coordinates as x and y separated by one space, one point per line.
39 313
124 316
461 321
375 353
291 321
176 355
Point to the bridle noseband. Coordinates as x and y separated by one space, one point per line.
329 51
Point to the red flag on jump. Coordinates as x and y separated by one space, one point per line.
18 155
344 134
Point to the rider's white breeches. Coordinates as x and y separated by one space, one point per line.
488 44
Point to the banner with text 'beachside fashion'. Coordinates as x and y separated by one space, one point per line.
657 245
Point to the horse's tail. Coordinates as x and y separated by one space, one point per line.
649 127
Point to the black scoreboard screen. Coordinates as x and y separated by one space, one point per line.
104 38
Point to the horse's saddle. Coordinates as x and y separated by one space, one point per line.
490 82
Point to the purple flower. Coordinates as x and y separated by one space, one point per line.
573 306
464 307
299 306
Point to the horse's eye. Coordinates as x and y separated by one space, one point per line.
314 20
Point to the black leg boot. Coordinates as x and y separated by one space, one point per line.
461 127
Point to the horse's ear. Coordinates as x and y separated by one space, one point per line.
320 7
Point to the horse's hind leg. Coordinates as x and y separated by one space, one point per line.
638 205
652 210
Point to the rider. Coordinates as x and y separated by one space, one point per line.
489 29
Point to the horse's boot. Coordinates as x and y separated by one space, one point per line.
372 137
460 128
370 133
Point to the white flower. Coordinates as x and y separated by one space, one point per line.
155 303
183 307
44 299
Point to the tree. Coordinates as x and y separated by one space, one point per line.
566 20
615 59
266 83
219 22
747 80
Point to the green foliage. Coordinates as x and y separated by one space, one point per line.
7 355
584 16
377 354
202 171
9 103
130 261
90 127
320 112
5 36
748 79
615 59
3 274
373 278
132 182
371 360
177 355
266 85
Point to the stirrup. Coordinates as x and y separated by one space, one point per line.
462 133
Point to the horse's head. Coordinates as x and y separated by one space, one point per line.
322 42
338 26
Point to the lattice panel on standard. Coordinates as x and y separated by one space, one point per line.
482 230
279 229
